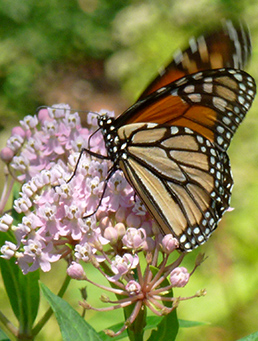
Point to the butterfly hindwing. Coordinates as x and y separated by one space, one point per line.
179 175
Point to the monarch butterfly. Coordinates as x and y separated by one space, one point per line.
172 143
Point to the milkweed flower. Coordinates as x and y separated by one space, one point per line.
5 222
69 211
75 271
179 277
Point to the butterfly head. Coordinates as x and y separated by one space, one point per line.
115 149
105 121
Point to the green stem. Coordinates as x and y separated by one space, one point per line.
136 329
49 312
8 325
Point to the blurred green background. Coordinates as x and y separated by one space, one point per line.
95 54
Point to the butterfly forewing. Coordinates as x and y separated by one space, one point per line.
212 103
179 176
229 47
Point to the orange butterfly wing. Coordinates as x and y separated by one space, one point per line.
212 103
229 47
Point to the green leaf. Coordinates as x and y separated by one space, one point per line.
167 329
251 337
190 324
3 336
153 321
72 325
23 293
30 293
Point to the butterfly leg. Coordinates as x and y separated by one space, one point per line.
85 150
110 174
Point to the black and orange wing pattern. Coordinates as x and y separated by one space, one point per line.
171 144
212 103
181 170
228 47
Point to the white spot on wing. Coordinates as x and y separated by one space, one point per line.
161 90
181 81
182 238
241 99
198 75
239 77
193 45
174 130
220 129
208 87
226 120
219 103
189 89
174 92
178 56
188 131
151 125
196 98
220 140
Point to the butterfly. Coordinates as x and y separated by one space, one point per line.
172 143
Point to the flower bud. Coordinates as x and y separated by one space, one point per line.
120 228
75 271
43 115
179 277
169 243
18 131
8 250
5 222
133 287
110 233
7 154
134 238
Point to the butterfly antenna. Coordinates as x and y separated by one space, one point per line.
63 108
40 108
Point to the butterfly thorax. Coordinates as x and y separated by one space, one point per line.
115 147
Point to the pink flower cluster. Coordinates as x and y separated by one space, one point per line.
56 206
42 154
